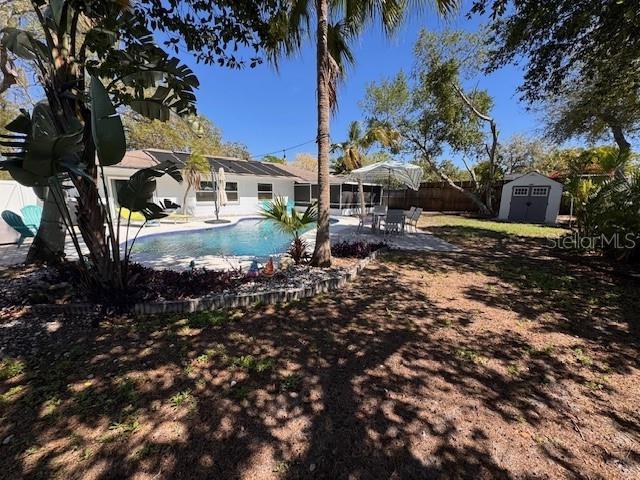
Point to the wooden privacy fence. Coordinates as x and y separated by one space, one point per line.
439 197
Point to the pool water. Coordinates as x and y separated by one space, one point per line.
248 237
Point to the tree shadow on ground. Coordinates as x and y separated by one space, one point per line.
372 382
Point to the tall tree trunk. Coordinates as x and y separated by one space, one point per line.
48 245
484 210
491 151
618 136
624 147
322 253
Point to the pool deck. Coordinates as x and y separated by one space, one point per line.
346 228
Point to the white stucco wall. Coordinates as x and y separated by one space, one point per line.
533 179
14 196
247 203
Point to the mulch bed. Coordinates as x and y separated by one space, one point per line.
37 284
481 364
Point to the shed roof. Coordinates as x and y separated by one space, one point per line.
532 175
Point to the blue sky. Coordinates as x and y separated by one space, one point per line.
269 110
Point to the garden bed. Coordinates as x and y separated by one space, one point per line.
51 289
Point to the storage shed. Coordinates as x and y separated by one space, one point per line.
531 198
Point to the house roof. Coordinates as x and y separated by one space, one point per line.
149 157
306 176
137 159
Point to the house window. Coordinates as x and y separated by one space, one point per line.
302 195
520 191
265 191
116 186
231 189
539 191
205 193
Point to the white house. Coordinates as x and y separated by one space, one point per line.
248 184
532 198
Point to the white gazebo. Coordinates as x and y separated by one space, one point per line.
388 173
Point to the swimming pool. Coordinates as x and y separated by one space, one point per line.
250 237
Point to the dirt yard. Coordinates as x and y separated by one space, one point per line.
499 361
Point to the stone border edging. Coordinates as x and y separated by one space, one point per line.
222 300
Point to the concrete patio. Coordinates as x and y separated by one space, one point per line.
419 240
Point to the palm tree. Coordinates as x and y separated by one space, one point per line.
292 223
354 150
352 156
333 55
192 172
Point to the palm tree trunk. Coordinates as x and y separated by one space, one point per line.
48 245
322 253
184 200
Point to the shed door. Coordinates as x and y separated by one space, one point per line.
529 204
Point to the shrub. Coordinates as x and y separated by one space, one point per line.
355 249
147 284
299 250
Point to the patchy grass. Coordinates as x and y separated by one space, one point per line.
582 358
471 355
207 319
11 367
479 227
250 364
240 392
183 398
290 382
513 369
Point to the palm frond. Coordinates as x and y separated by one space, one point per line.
277 211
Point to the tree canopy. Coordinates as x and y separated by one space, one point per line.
580 59
431 112
197 134
306 161
563 40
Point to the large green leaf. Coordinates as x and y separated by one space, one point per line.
154 107
106 126
40 152
22 44
137 194
26 178
20 124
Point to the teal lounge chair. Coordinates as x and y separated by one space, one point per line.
15 222
32 214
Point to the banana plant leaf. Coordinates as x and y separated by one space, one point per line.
137 194
106 126
39 152
20 124
23 44
144 66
